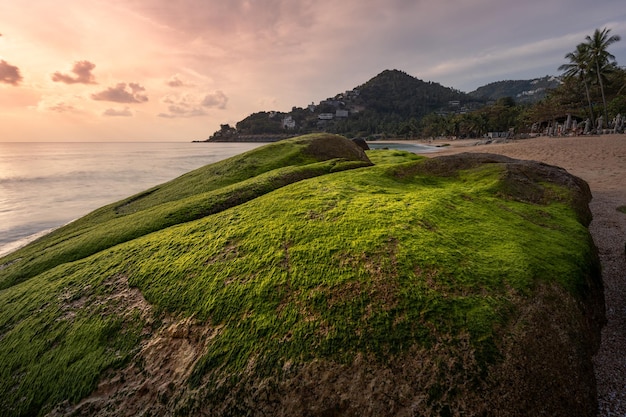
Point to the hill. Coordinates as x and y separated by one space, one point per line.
307 277
392 103
522 91
385 103
395 93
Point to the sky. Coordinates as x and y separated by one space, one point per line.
174 70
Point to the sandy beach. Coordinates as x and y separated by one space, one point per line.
601 161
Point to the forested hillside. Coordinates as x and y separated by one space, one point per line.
392 102
522 91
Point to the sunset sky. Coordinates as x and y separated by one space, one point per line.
174 70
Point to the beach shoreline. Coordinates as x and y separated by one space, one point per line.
601 162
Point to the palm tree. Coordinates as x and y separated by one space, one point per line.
600 58
578 67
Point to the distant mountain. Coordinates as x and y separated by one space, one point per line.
383 104
522 91
397 93
391 103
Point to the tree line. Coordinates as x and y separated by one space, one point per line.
591 98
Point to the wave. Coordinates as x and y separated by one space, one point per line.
10 247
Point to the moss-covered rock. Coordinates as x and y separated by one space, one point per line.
464 285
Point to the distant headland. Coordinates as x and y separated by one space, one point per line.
391 104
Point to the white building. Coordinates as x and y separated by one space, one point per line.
289 123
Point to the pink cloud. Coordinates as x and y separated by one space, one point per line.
118 113
193 16
82 74
187 105
63 108
215 100
9 74
120 94
176 82
183 111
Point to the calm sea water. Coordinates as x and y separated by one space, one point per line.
46 185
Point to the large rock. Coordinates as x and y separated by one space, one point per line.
460 285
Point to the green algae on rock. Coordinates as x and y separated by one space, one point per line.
303 280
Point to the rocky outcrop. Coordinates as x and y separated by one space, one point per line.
522 179
543 365
362 143
388 290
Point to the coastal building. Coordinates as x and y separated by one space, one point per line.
326 116
289 123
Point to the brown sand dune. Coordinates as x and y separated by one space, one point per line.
601 161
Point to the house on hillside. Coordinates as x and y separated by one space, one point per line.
289 123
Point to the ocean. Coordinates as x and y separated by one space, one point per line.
46 185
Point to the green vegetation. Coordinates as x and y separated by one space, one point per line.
58 333
524 91
622 209
590 77
590 64
313 262
392 103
